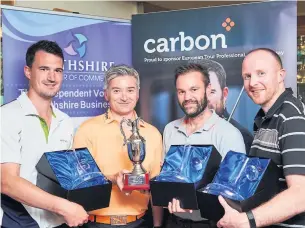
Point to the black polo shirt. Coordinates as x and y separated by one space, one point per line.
280 135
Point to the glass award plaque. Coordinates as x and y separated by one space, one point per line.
75 170
184 163
238 176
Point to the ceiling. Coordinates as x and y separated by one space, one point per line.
155 6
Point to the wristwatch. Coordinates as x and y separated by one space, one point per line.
251 219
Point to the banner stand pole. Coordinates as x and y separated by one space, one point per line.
236 103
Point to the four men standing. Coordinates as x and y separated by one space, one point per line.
31 125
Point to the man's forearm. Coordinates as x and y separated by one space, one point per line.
25 192
157 214
282 207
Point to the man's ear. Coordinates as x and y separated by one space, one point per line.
225 93
27 72
138 94
106 95
282 75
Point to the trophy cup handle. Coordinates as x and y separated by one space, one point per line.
122 131
137 120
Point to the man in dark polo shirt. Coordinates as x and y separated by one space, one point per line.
279 131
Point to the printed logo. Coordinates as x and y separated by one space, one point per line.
81 51
228 24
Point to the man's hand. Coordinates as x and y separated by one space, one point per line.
119 179
174 206
232 218
74 214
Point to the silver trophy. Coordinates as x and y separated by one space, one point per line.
138 179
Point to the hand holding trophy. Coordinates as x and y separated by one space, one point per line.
138 179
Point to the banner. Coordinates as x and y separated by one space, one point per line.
90 47
163 41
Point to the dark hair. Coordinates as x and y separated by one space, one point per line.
193 67
43 45
217 68
270 51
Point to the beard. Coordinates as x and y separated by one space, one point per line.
47 95
200 107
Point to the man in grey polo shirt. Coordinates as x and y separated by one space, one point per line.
199 126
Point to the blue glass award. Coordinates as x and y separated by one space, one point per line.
75 170
184 163
238 176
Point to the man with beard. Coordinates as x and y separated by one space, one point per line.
199 126
30 126
218 97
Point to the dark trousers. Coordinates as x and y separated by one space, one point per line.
62 226
15 215
176 222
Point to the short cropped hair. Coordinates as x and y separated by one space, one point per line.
270 51
193 67
120 70
43 45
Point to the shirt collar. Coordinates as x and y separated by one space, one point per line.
109 118
27 105
29 108
180 125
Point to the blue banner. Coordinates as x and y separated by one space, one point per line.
90 47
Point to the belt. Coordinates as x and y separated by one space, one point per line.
115 219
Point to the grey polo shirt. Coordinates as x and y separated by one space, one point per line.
215 131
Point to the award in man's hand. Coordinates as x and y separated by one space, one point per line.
138 179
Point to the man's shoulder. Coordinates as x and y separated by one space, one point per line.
152 130
224 124
291 106
13 105
223 128
244 131
173 124
11 110
93 122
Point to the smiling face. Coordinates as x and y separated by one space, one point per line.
45 75
122 94
263 78
191 93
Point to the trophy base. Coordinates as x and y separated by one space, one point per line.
135 182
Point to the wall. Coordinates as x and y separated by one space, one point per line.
113 9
